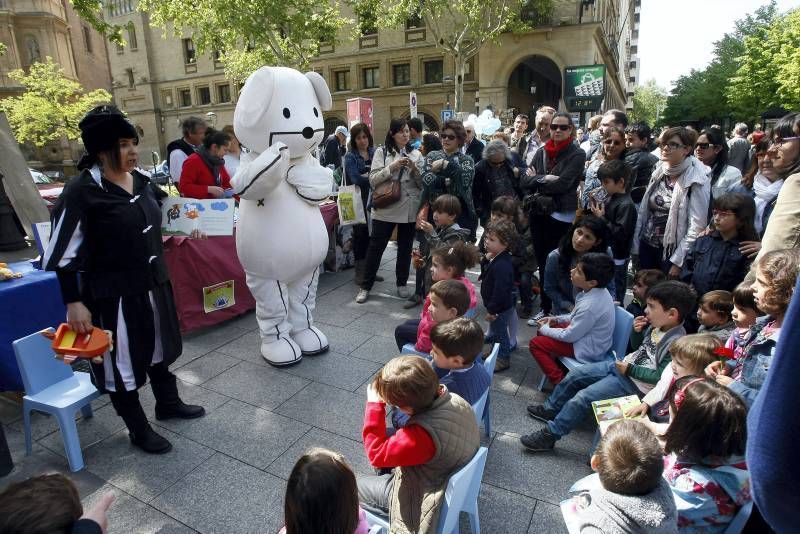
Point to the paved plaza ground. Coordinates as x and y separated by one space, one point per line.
227 471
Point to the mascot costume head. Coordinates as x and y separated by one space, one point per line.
281 238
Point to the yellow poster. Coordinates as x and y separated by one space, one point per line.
218 296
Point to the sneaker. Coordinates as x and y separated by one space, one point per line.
533 321
538 411
501 364
362 296
402 292
540 441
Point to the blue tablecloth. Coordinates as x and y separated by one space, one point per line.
27 305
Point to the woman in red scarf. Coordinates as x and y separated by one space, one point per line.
551 198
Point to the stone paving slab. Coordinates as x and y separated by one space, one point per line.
328 408
256 384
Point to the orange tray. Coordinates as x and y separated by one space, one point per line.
70 346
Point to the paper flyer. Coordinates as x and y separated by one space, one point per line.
608 412
219 296
180 216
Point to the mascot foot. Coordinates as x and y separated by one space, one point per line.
311 340
281 352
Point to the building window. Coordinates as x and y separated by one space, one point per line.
119 7
87 38
434 71
370 77
223 93
120 48
132 37
342 79
131 81
203 96
166 99
185 98
401 74
189 56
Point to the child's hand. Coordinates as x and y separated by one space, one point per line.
640 323
598 208
713 369
99 512
491 317
622 367
425 226
637 411
372 395
545 321
723 380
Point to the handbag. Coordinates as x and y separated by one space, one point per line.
539 204
350 204
387 193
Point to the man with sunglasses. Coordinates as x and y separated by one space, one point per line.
612 117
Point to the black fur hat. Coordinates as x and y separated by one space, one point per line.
101 128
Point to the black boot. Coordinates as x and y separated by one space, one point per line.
141 433
168 404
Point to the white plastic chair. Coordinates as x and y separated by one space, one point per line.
481 407
623 323
53 388
460 495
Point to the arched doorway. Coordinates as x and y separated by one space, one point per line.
331 123
534 83
428 122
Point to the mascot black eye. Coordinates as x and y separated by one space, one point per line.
286 113
316 113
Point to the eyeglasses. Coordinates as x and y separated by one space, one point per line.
450 137
612 142
672 146
704 146
777 143
562 127
722 213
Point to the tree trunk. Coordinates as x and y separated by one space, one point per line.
460 67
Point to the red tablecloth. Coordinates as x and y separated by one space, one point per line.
197 263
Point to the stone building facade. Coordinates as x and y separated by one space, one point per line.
160 80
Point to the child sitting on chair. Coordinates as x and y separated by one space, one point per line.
456 345
632 496
586 333
440 438
449 263
714 314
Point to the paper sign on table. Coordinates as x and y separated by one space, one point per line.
181 216
218 296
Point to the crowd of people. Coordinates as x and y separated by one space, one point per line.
703 230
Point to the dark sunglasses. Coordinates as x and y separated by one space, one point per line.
448 136
704 146
562 127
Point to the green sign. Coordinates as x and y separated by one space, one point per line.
584 87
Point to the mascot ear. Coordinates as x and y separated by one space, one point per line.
321 88
255 98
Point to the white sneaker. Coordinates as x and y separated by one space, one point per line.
363 295
533 320
402 292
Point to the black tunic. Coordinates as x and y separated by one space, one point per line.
106 248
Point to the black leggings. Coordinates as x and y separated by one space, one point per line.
381 232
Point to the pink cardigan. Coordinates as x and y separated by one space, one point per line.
362 528
426 322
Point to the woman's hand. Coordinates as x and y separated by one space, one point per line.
674 272
79 317
216 192
598 208
640 323
750 248
438 165
637 411
198 234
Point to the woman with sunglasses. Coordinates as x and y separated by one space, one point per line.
761 182
712 149
551 201
451 171
674 209
612 146
783 155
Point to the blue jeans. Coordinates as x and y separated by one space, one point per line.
498 332
573 397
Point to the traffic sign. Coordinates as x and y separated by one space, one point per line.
412 104
447 114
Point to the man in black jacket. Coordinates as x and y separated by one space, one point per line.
334 148
472 145
638 156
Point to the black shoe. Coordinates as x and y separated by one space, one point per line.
179 410
413 301
150 441
538 411
501 364
540 441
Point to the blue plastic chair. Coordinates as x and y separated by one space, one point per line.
740 519
460 495
623 324
481 407
53 388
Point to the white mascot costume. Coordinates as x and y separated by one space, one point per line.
281 238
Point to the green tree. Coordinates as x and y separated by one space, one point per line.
649 100
51 106
92 12
248 35
460 29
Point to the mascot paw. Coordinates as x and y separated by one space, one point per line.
313 184
311 341
281 353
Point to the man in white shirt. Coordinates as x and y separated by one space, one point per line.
194 130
